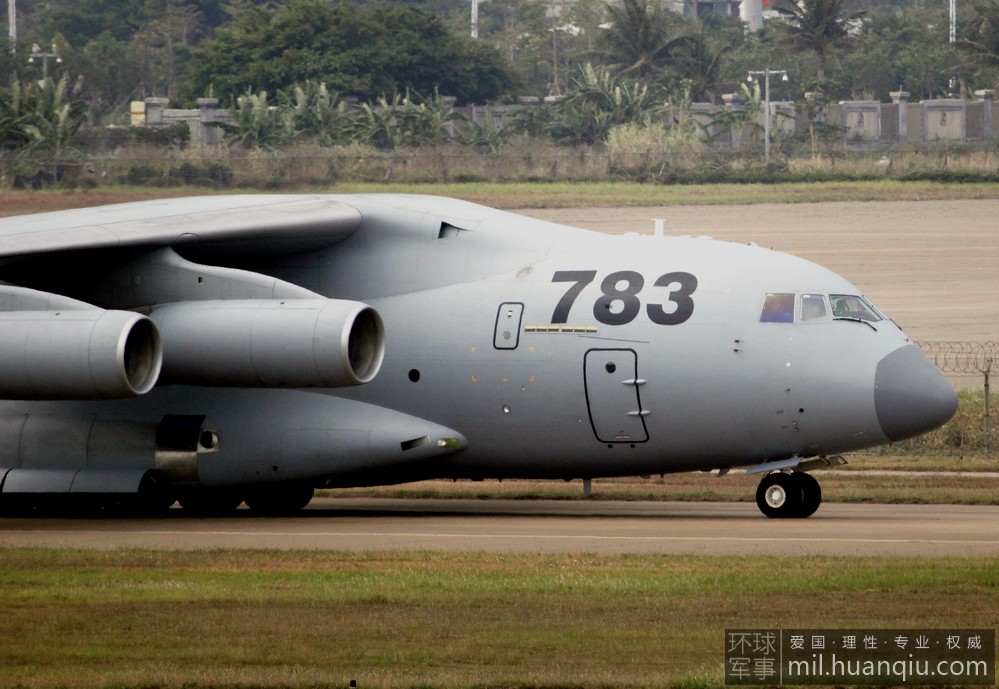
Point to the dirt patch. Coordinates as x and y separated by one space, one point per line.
23 202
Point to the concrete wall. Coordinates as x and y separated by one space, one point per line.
157 114
864 124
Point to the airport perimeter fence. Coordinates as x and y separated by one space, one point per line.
968 358
300 165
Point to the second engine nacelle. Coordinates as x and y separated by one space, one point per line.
270 343
77 354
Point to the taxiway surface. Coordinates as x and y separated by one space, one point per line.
543 526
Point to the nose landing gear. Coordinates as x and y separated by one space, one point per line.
784 495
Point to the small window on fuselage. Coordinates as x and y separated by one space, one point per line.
778 308
813 306
852 306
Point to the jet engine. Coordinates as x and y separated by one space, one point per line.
272 343
77 354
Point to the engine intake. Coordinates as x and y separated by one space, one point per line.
77 354
272 343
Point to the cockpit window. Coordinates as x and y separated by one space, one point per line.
852 306
778 308
813 306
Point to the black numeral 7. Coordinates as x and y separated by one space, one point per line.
580 278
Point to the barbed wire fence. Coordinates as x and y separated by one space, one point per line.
967 358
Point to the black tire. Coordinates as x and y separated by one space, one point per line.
280 499
779 496
811 493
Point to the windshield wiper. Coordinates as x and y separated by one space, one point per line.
856 320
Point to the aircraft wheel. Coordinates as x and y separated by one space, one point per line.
811 493
276 500
211 503
779 496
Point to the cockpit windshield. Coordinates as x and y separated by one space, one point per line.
851 306
813 306
780 307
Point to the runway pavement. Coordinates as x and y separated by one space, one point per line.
546 526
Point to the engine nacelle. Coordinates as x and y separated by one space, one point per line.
77 354
270 343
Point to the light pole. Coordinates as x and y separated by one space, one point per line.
952 36
12 24
553 89
37 52
766 105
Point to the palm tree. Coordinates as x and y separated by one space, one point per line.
599 100
701 63
982 45
40 117
816 25
642 38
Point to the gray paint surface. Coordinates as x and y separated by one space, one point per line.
622 355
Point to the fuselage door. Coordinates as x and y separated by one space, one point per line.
613 395
506 335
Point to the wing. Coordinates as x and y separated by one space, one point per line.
240 223
75 280
160 346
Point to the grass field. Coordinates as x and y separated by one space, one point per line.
553 195
303 619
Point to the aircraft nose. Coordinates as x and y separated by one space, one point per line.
910 395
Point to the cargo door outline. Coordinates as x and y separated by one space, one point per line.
613 399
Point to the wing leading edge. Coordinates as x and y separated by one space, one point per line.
237 224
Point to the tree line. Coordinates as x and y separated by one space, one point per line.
606 62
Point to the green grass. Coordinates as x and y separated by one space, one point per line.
963 435
549 195
859 482
294 619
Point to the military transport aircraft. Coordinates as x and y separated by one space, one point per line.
223 349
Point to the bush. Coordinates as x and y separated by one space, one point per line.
211 175
177 134
962 435
633 153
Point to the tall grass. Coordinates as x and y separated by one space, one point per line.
634 154
967 433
